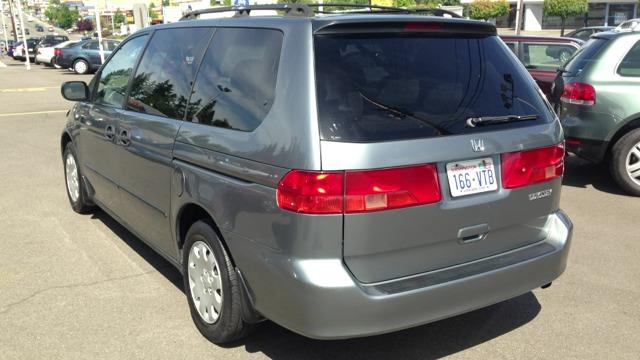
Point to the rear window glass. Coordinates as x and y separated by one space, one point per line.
585 55
630 65
390 87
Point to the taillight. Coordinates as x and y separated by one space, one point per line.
312 192
579 94
57 52
358 191
394 188
532 166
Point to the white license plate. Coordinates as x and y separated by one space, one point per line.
471 177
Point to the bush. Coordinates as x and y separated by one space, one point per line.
564 9
488 9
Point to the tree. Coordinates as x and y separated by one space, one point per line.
85 25
488 9
152 12
564 9
118 17
404 3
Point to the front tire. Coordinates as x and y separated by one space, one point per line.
76 191
625 162
212 286
80 66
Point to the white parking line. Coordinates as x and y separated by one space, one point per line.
2 64
34 113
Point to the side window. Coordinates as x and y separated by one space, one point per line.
630 65
546 56
236 82
115 74
91 45
583 35
162 83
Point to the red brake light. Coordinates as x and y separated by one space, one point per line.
57 52
394 188
532 166
311 192
358 191
579 94
422 26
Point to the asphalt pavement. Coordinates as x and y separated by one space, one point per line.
82 287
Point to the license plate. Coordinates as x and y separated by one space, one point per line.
471 177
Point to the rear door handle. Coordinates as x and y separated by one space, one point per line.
124 137
109 132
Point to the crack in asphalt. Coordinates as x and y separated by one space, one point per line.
10 306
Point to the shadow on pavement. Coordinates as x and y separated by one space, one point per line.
429 341
151 256
581 173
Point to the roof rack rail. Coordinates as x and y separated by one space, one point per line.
309 10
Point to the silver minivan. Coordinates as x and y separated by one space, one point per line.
341 175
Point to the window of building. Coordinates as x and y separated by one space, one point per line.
546 56
236 82
162 83
114 77
630 65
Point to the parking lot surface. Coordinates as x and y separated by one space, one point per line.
81 286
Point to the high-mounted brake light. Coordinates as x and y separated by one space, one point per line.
578 93
422 26
529 167
358 191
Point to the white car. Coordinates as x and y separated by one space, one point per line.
46 55
629 25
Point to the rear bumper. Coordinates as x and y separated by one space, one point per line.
592 150
320 299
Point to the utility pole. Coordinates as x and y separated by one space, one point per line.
4 26
99 28
519 16
25 46
13 22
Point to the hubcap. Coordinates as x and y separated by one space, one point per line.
204 282
633 164
81 67
73 180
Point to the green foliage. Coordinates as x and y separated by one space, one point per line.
152 13
294 2
565 8
61 15
119 18
404 3
167 2
488 9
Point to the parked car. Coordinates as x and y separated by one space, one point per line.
12 49
542 56
584 33
323 172
597 96
39 28
84 57
19 51
50 29
629 25
48 41
47 55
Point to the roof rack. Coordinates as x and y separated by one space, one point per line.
309 10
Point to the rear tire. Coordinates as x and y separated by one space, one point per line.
80 66
76 189
209 275
625 162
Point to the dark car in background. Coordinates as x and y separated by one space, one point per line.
39 28
542 56
49 41
84 57
585 32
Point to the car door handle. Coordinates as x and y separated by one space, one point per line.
109 132
124 137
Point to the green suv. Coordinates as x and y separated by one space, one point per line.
598 101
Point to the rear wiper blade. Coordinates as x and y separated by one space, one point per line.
490 120
404 113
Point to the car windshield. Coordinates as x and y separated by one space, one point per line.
391 87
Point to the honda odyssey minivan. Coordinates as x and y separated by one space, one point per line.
342 175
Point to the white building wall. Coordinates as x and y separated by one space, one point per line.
533 17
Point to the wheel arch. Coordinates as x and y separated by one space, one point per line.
64 140
624 129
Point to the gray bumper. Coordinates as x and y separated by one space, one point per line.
320 299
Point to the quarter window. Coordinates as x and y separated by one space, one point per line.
236 82
630 65
115 74
546 56
162 83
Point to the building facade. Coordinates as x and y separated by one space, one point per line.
600 13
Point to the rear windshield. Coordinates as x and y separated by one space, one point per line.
383 87
584 56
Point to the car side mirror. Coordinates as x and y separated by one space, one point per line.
75 91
